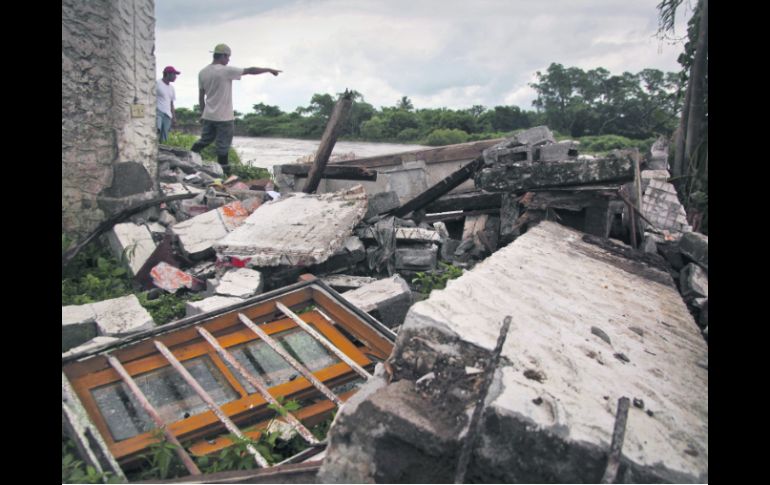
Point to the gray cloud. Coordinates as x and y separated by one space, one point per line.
439 53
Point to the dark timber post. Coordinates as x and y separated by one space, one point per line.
333 128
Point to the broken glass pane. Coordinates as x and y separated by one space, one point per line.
262 361
168 393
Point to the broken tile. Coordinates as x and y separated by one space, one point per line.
172 279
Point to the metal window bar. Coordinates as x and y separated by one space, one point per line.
259 385
291 360
332 348
153 413
209 401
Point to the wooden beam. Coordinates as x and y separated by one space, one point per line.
439 189
329 138
466 201
332 172
449 153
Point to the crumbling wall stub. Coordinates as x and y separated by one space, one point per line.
108 65
550 411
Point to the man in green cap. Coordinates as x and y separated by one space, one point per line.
215 95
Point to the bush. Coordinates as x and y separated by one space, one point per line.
442 136
408 135
606 143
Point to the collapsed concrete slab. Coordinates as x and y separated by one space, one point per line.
507 174
297 230
550 410
198 235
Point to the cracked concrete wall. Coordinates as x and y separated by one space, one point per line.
108 64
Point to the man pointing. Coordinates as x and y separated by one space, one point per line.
215 83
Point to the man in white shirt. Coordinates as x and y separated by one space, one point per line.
215 95
165 95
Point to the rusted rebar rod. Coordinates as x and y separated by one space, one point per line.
291 360
473 427
618 434
209 401
259 385
153 413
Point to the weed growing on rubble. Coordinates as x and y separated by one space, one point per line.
93 275
427 281
74 470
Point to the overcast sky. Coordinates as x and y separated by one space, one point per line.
439 53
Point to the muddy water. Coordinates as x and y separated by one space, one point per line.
266 152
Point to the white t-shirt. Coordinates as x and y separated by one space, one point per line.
165 95
216 81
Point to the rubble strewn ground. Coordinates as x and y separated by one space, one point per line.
586 253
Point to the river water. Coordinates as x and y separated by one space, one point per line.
266 152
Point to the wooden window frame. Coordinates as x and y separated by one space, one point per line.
243 408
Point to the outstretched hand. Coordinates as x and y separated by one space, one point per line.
274 72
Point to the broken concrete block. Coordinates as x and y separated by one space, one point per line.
694 282
416 259
92 344
407 181
550 411
121 316
539 135
297 230
342 283
240 282
389 299
441 229
198 235
695 246
132 242
500 177
658 158
78 325
171 279
660 175
210 304
555 152
382 202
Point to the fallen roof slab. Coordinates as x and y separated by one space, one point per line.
588 328
297 230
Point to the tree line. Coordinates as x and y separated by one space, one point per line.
571 101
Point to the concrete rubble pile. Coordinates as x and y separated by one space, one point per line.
593 258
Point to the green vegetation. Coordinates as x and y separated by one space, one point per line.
96 275
245 172
425 282
569 100
74 470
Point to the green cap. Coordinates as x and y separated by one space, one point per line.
222 49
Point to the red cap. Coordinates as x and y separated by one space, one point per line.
168 69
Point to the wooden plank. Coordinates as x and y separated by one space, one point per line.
329 138
448 153
439 189
332 172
